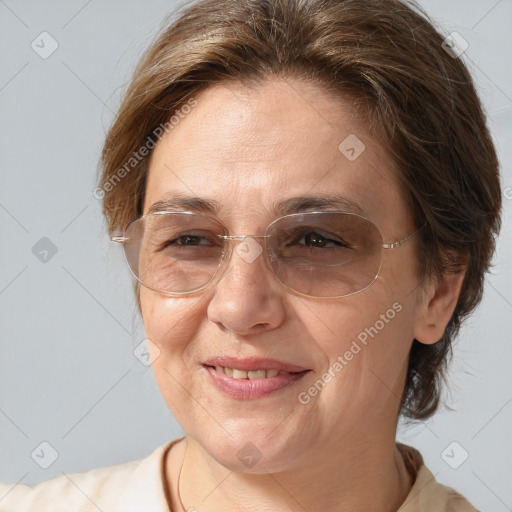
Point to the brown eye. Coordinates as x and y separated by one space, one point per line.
315 239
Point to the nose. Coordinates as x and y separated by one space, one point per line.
247 298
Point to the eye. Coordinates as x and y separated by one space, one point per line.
315 239
189 240
205 239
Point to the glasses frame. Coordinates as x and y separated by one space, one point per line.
227 252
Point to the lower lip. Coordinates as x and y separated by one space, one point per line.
249 389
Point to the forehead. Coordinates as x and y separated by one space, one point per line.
252 152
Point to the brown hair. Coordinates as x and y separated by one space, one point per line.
387 54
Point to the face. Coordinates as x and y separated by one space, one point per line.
247 149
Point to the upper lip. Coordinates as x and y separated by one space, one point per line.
253 364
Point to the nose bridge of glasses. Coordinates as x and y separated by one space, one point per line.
241 237
250 251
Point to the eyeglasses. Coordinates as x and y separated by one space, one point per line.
327 254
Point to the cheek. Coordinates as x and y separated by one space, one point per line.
357 320
366 348
375 333
171 326
169 323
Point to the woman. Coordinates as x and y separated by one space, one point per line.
308 198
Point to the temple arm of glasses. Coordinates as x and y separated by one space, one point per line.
396 244
119 239
400 242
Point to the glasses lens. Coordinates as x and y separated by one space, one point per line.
328 254
174 252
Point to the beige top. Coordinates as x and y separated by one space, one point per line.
139 486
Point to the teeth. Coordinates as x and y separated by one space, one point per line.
257 374
251 374
239 374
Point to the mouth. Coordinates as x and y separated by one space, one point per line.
252 379
264 373
234 367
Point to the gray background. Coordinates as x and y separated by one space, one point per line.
68 325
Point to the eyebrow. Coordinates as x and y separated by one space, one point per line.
284 207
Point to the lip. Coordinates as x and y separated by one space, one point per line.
253 364
250 389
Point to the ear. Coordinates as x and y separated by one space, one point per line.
437 306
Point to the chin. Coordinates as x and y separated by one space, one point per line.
253 449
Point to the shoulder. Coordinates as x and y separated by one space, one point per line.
131 486
427 493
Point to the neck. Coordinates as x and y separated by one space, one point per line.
336 479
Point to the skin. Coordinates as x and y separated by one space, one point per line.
247 148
